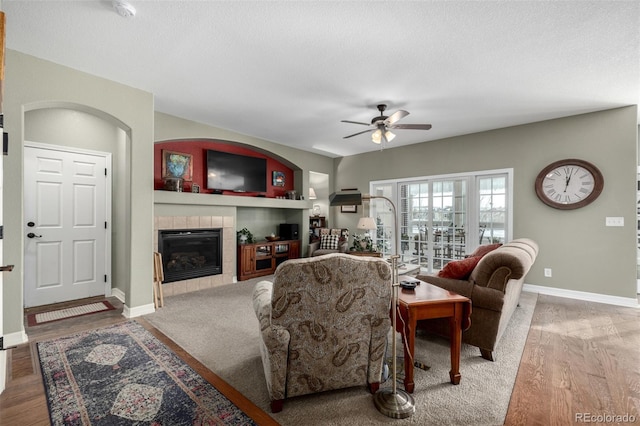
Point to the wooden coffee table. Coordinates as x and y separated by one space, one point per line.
428 301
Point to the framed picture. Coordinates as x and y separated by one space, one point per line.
195 188
349 209
278 178
177 165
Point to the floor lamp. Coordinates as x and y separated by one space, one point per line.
394 402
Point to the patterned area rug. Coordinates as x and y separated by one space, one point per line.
123 375
60 314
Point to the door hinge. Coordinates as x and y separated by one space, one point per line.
105 224
105 171
105 278
1 232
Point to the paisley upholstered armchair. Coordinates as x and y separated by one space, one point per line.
324 323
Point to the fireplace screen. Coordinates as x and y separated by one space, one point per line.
190 253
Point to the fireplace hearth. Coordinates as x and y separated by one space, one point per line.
190 253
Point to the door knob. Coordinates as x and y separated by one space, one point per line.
31 224
32 235
6 268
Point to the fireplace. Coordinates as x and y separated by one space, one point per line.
190 253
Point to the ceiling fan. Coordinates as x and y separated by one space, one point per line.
382 125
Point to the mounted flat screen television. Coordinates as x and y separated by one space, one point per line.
235 172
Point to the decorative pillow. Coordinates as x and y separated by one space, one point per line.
459 269
329 242
482 250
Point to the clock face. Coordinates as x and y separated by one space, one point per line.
569 184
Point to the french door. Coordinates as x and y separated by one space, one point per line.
442 218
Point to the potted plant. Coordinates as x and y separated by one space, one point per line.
245 236
363 243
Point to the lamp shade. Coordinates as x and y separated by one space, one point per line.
345 198
376 137
312 194
366 223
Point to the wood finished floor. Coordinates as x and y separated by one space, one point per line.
580 359
24 401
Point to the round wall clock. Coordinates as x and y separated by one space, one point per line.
569 184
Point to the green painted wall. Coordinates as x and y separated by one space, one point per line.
583 254
34 84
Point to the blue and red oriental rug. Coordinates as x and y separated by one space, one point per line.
123 375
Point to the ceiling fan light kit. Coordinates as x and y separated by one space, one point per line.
124 8
382 125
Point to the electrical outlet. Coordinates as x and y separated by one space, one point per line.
547 272
614 221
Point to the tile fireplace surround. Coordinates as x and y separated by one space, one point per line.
228 250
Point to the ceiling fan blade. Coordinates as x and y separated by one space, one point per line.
411 126
359 133
355 122
395 117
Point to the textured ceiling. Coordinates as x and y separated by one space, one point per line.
289 71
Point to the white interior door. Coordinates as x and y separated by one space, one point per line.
65 215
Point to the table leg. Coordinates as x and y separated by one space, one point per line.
409 333
456 343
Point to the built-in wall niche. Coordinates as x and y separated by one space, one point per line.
279 177
320 184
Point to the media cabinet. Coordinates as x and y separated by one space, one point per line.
258 259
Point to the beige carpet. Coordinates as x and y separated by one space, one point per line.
218 327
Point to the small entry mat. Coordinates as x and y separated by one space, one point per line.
91 308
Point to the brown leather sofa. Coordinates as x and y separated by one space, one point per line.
494 288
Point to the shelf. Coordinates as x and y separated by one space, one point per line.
200 199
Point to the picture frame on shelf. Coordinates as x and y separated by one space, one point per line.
177 165
278 178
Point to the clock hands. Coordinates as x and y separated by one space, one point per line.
567 179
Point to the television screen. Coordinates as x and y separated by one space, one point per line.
234 172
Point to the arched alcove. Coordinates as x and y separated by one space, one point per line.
78 127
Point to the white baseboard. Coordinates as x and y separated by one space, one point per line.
15 339
118 294
3 370
138 310
629 302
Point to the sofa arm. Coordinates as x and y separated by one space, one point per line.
462 287
262 293
274 347
313 247
488 298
